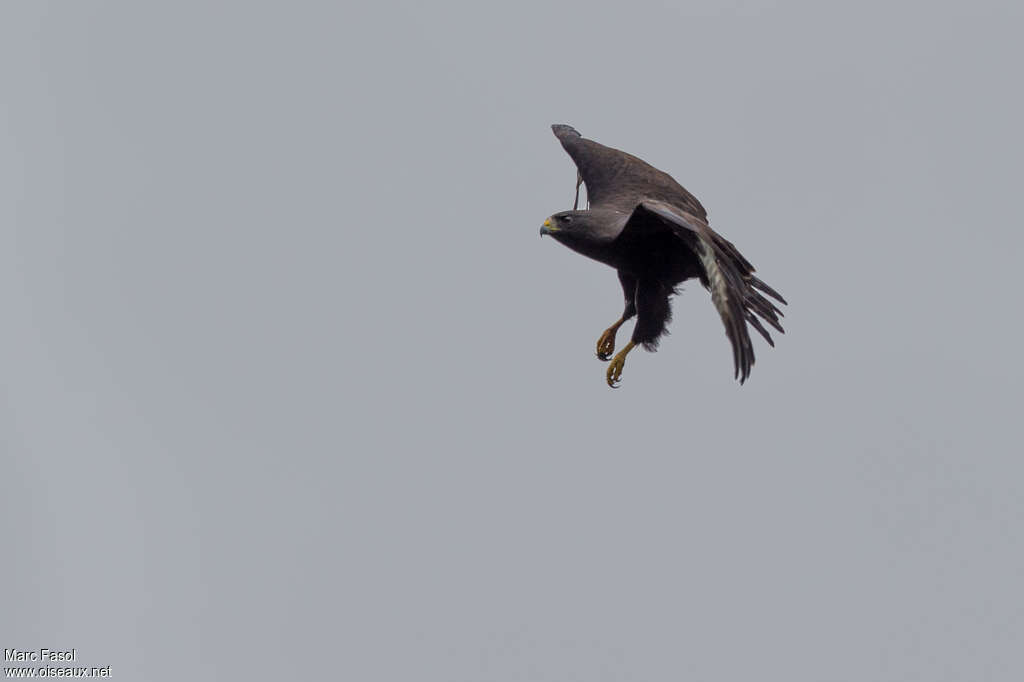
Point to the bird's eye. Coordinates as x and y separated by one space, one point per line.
567 218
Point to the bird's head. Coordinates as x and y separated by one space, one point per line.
562 224
589 225
589 232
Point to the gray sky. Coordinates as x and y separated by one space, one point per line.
293 389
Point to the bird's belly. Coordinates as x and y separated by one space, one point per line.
670 266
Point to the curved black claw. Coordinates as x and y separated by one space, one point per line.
614 373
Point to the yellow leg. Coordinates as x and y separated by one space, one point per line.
614 373
606 344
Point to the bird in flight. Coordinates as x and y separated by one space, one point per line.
656 235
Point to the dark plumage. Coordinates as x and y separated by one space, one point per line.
655 234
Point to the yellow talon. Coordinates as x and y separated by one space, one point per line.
606 344
614 374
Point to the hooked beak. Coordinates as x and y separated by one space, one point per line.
547 228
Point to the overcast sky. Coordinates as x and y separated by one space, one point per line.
293 390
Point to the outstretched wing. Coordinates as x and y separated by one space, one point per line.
735 291
619 180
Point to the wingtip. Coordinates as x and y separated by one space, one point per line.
562 130
758 284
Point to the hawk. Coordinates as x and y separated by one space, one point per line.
656 235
